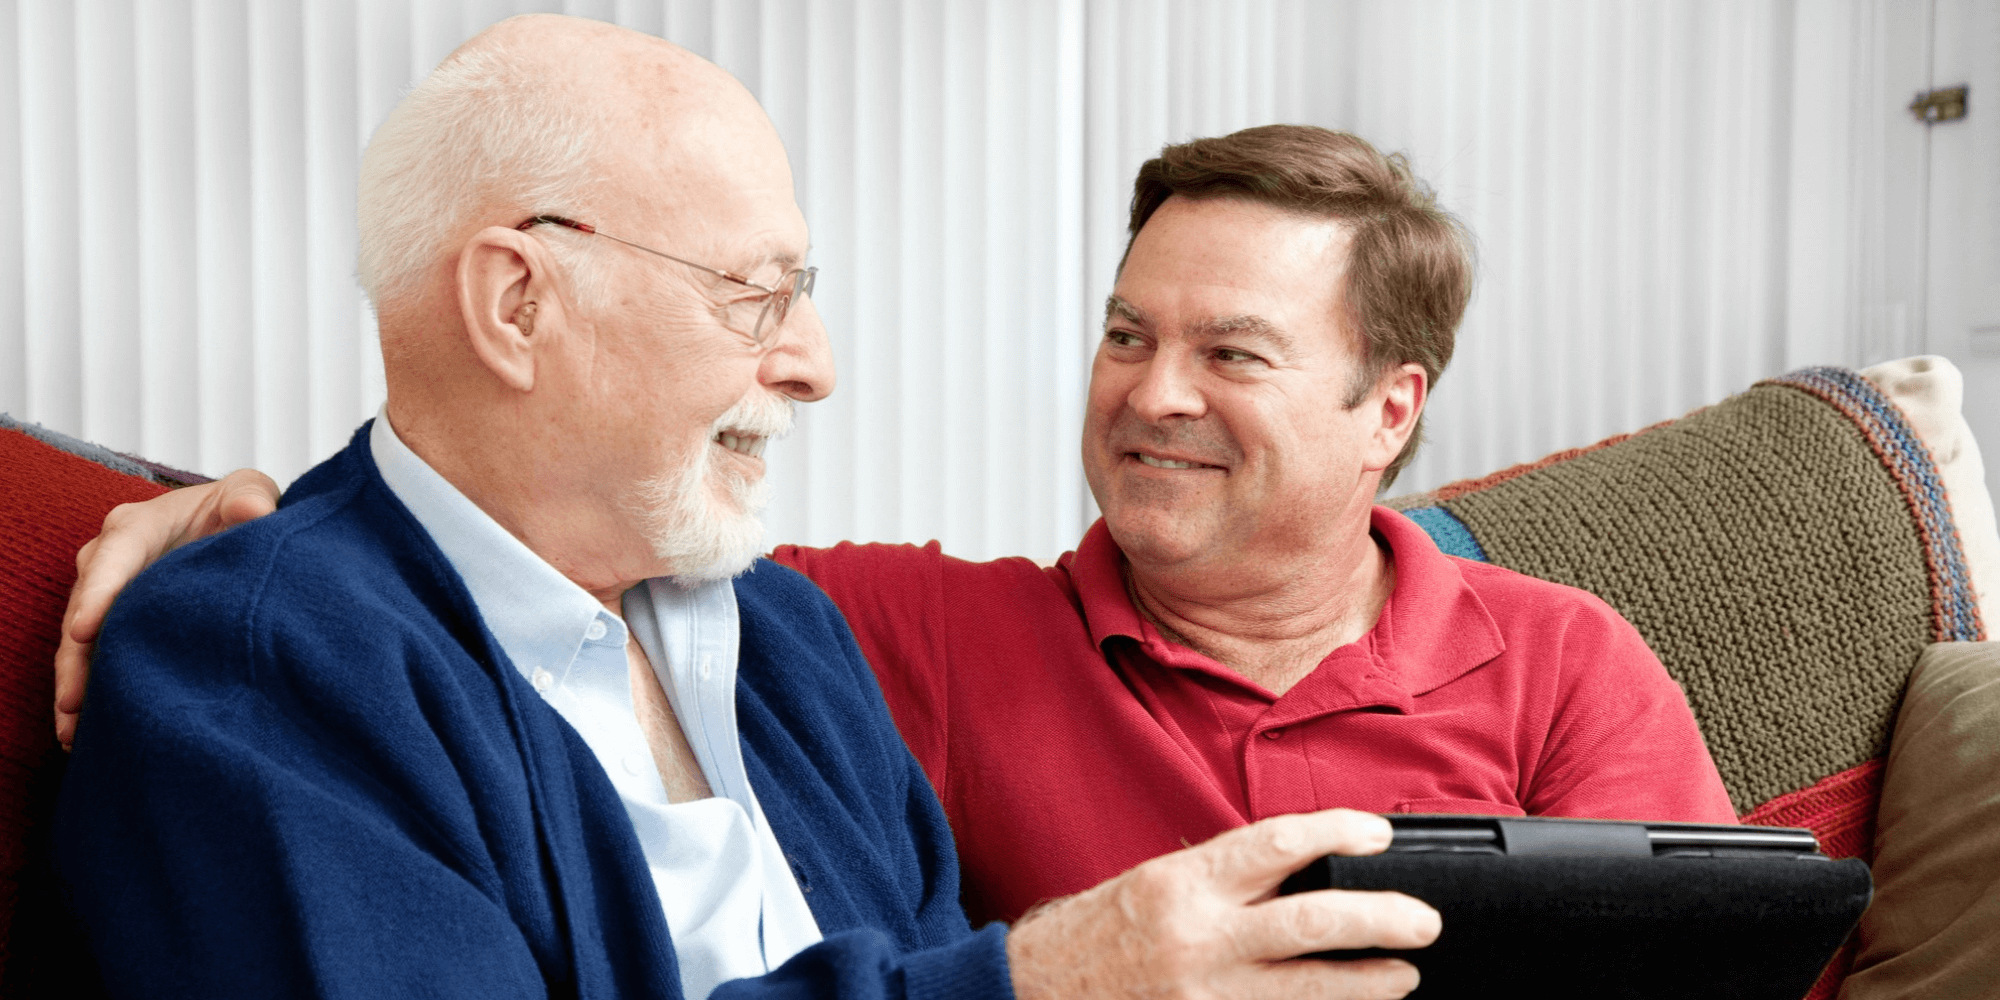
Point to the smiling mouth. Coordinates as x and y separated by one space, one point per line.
741 442
1168 463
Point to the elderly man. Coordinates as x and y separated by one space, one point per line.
479 712
1244 635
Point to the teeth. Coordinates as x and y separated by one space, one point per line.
752 446
1163 463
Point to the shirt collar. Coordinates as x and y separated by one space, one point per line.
539 617
1433 628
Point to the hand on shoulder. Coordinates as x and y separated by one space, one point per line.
135 535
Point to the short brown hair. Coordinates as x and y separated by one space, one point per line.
1409 264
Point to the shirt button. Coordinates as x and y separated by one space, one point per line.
1272 734
595 631
707 667
631 763
543 681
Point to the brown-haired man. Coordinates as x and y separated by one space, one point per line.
1244 634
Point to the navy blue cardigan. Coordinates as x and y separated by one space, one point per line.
307 769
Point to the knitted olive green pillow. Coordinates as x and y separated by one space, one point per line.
1788 553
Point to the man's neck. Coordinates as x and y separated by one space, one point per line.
1277 629
554 520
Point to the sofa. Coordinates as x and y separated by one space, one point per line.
1809 558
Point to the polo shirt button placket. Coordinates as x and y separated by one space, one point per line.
1279 781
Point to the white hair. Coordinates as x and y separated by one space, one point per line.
482 128
687 528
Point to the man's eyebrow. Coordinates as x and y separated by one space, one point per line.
1247 325
785 258
1115 306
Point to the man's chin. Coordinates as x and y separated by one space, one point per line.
706 528
1158 536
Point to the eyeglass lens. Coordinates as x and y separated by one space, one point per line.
779 304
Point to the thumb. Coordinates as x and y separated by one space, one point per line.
246 496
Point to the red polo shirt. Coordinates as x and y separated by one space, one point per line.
1070 741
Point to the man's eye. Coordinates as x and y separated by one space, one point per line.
1122 338
1233 354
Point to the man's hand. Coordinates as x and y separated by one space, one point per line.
134 535
1205 922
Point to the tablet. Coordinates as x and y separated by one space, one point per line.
1597 908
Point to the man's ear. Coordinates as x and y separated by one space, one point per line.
1398 401
506 302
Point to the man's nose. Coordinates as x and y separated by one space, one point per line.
799 362
1167 388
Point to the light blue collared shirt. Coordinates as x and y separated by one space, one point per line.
731 902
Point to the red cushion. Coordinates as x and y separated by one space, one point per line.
51 502
1840 811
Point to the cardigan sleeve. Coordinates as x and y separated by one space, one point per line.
227 829
866 964
319 783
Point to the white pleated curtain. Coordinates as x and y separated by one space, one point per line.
179 281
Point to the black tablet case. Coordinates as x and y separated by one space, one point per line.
1573 921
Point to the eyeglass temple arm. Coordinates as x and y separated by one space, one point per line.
585 227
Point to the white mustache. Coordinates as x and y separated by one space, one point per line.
759 414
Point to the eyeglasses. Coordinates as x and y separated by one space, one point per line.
756 316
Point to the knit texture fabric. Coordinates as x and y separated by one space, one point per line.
51 502
308 769
1788 553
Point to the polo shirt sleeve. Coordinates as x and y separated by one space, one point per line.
893 599
1621 742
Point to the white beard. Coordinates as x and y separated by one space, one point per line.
701 538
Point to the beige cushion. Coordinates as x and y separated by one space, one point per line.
1929 390
1934 927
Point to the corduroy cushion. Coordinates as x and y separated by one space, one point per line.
1933 928
51 503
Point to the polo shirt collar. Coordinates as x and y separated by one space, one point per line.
1432 630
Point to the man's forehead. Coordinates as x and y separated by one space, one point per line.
723 184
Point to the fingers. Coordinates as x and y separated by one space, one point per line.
129 543
134 535
246 495
1335 920
72 663
1313 979
1250 861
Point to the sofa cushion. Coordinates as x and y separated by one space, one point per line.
52 501
1930 392
1788 553
1936 915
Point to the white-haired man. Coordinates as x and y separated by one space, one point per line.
479 711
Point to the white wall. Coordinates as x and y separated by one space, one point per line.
1672 200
